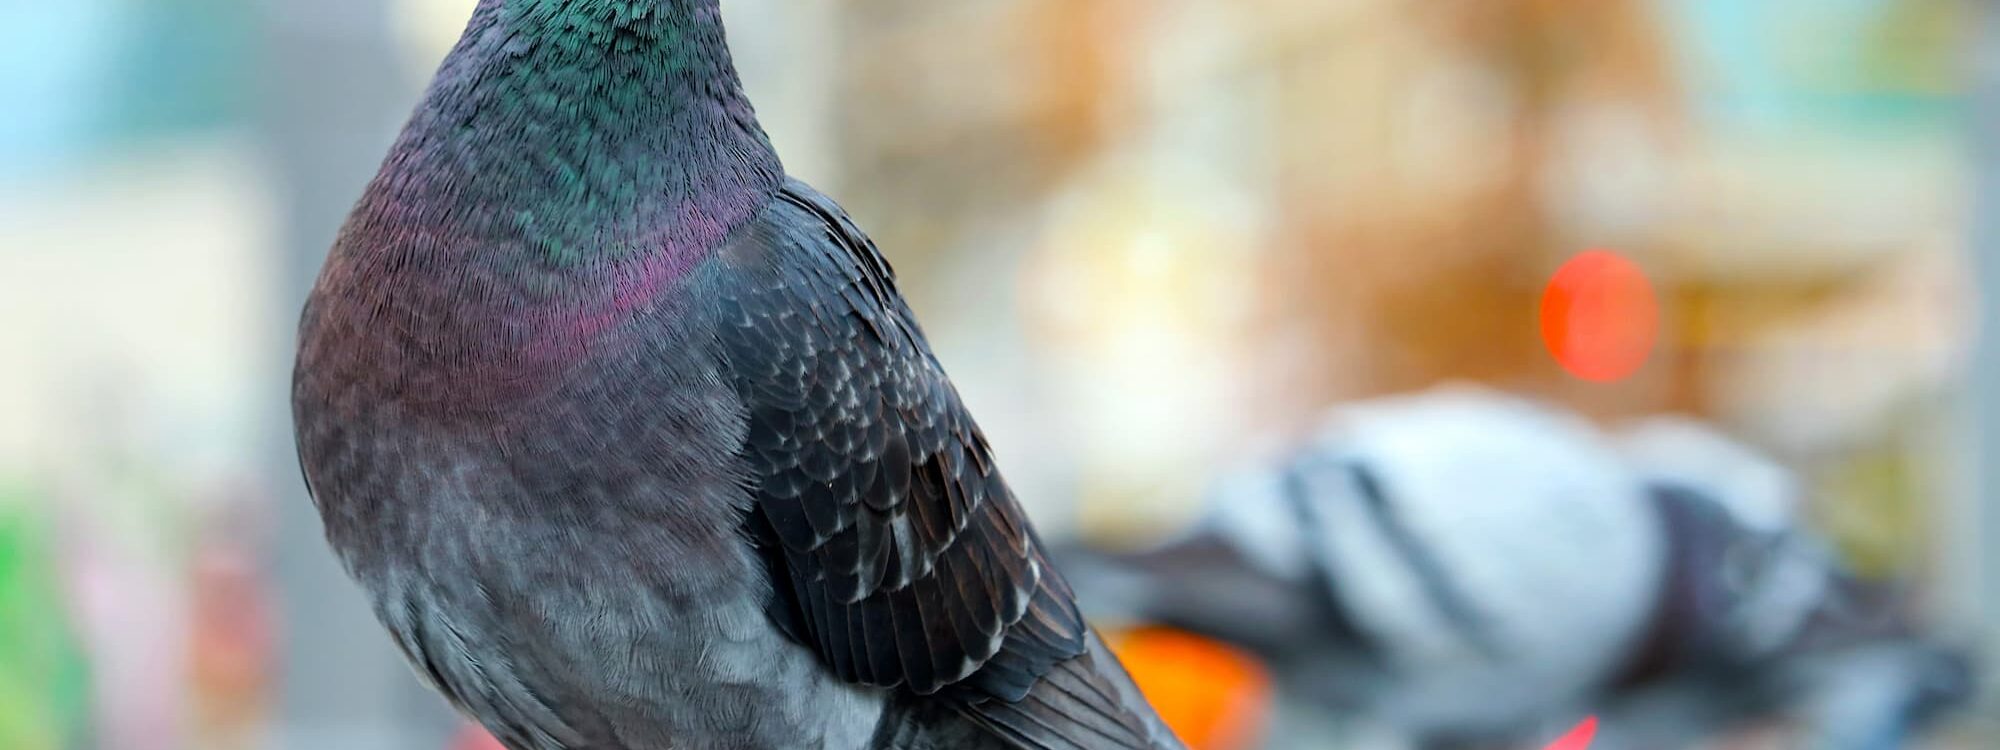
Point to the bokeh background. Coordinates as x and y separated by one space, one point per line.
1144 235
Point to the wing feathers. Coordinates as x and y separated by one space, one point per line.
909 562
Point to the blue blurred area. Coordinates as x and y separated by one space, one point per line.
54 64
82 77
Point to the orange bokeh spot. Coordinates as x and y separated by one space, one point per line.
1600 317
1213 696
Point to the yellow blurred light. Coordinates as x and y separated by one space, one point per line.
428 29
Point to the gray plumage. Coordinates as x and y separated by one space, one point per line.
634 444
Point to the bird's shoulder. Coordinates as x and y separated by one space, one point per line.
803 253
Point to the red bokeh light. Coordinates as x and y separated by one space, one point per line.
1600 316
1578 738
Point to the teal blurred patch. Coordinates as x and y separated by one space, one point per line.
186 67
1855 65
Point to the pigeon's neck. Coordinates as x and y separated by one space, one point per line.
573 131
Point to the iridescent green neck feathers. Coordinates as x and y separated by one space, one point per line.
585 130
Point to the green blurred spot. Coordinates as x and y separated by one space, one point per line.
44 694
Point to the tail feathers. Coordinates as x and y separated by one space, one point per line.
1085 703
918 723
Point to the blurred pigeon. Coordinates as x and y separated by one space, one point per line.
1758 617
1478 570
634 444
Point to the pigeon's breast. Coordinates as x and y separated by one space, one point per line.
634 419
559 586
457 331
567 563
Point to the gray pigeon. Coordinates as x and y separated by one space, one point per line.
633 443
1476 570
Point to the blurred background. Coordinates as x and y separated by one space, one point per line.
1147 237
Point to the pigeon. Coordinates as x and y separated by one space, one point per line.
1475 569
633 444
1758 617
